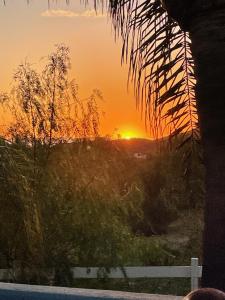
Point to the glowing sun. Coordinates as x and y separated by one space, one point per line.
127 135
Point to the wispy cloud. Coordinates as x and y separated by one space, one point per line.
59 13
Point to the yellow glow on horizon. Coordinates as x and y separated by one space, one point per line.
127 135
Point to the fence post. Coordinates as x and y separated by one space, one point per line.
194 273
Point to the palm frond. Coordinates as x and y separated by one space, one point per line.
161 65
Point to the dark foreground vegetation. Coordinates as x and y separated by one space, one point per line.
68 200
92 204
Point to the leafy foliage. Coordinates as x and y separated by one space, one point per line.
169 188
46 107
82 208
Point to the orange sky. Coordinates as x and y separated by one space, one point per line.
30 32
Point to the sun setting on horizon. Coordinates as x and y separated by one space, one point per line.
129 134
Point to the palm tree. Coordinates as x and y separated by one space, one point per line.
205 22
176 51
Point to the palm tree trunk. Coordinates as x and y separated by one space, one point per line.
207 31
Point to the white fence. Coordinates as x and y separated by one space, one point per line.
193 272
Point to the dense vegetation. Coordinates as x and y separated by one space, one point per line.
70 200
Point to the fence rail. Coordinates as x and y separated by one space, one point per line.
193 272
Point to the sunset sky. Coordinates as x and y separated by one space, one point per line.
31 31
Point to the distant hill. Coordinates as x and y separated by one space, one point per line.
131 146
136 145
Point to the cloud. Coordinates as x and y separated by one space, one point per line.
59 13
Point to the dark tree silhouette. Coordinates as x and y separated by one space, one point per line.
205 22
